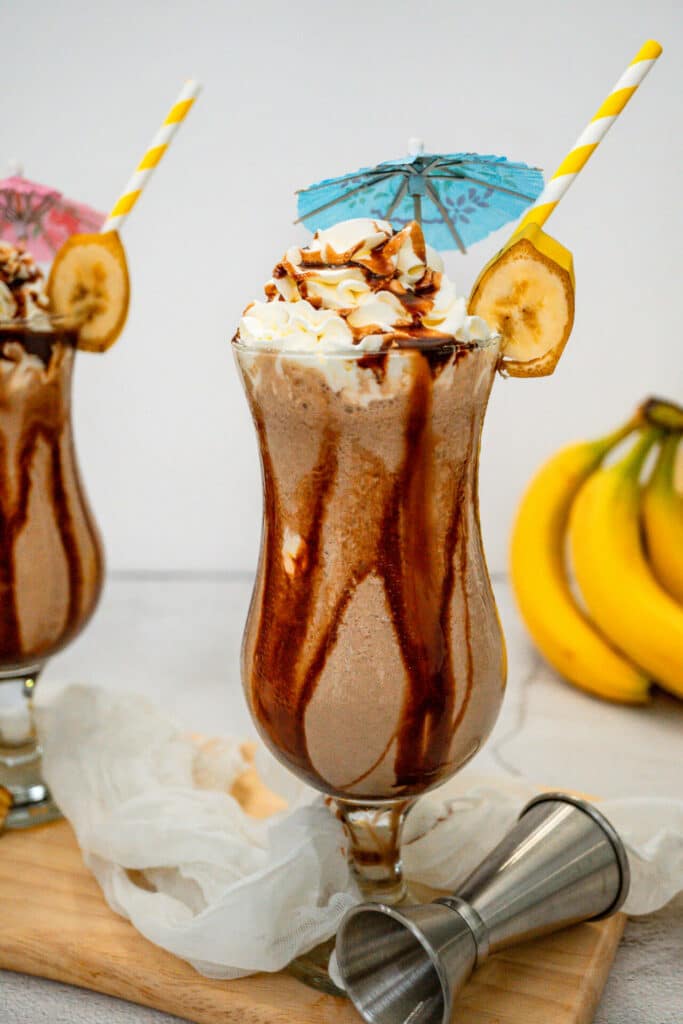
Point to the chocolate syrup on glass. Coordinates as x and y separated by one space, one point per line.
35 417
419 576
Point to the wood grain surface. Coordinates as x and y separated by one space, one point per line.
54 923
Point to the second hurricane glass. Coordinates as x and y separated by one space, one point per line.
51 559
373 659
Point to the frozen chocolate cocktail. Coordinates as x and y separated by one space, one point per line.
51 563
373 659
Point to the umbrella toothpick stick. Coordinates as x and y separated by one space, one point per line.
592 135
416 147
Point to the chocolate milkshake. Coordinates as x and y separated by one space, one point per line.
51 562
373 659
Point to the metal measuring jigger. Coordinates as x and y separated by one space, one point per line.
561 863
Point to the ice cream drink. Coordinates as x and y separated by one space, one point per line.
373 659
51 564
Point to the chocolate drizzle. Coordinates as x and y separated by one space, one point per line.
462 566
9 625
406 565
416 540
286 617
12 521
385 286
35 446
68 537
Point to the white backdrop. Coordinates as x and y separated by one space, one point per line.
297 91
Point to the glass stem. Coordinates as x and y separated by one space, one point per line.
18 743
374 832
21 769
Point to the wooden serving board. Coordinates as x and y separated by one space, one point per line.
54 923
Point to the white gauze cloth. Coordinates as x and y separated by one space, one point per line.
175 853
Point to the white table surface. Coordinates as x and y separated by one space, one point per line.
176 638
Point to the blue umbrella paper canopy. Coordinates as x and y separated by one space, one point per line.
458 198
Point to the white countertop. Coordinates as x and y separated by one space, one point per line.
176 638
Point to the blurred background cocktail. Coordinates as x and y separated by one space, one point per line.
51 557
51 560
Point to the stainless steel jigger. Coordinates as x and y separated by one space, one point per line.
561 863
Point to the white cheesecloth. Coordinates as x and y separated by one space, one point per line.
176 854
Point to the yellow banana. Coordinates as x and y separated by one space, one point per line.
662 509
559 628
620 592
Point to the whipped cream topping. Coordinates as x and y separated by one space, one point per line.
359 285
22 285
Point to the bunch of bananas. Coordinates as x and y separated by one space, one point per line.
621 627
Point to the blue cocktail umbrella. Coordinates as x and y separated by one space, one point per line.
458 198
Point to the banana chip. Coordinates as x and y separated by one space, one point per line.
89 285
526 293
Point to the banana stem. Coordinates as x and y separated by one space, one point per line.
633 461
609 441
663 473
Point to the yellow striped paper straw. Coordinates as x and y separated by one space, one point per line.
591 137
152 158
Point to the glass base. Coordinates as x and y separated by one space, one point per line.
312 969
31 815
373 831
20 754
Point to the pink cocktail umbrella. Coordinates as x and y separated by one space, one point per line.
41 218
